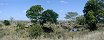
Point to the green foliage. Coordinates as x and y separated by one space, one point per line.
50 16
35 31
20 26
34 13
54 33
90 18
71 15
96 7
101 3
92 13
80 20
6 22
37 16
101 16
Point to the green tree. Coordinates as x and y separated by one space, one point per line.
101 11
101 3
80 20
37 15
71 15
101 16
49 16
34 13
91 20
6 22
92 11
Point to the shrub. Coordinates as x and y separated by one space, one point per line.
20 25
80 20
47 30
52 31
35 31
6 22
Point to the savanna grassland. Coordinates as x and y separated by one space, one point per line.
15 32
44 24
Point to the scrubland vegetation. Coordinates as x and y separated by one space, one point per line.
43 24
22 31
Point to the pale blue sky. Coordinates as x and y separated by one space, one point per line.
17 8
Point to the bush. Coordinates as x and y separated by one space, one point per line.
80 20
20 25
47 30
6 22
35 31
52 31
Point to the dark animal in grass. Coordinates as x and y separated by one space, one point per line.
47 30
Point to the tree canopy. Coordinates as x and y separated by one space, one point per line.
80 20
34 13
37 15
50 16
93 12
71 15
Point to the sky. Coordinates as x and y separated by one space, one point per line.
17 8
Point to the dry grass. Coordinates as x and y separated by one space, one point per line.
9 33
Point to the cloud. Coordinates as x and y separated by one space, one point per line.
62 1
